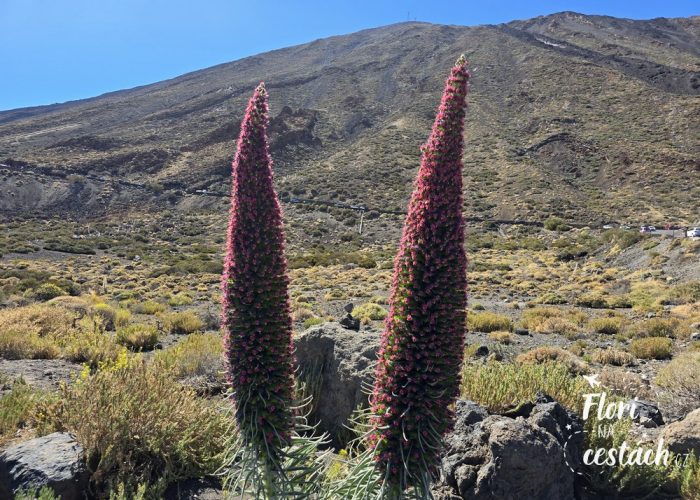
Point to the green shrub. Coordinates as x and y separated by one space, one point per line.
45 493
652 348
622 238
182 323
610 325
148 307
197 355
138 337
18 408
16 343
498 386
107 313
682 374
48 291
180 299
313 321
592 300
369 312
550 299
685 293
690 479
656 327
547 354
486 322
612 357
122 318
556 224
143 426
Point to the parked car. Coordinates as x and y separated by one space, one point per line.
607 226
693 232
645 229
652 229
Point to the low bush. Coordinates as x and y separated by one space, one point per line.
652 348
197 355
498 386
18 408
624 383
592 300
550 299
48 291
610 325
18 344
682 374
143 427
559 326
313 321
369 312
180 299
621 238
107 313
50 331
556 224
613 357
487 322
505 338
149 307
122 318
88 347
685 293
657 327
138 337
532 319
546 354
301 313
182 323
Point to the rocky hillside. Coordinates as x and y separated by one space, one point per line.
587 117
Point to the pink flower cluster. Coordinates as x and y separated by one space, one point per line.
256 315
418 374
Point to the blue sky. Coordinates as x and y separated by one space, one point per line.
59 50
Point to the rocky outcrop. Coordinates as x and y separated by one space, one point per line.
645 413
528 456
684 436
338 363
55 461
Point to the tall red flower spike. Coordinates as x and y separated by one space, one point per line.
418 373
256 316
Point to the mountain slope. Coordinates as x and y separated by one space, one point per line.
588 117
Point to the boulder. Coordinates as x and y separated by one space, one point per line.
646 413
350 323
340 363
684 436
55 461
501 457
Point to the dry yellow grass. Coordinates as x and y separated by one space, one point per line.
652 348
612 356
501 337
